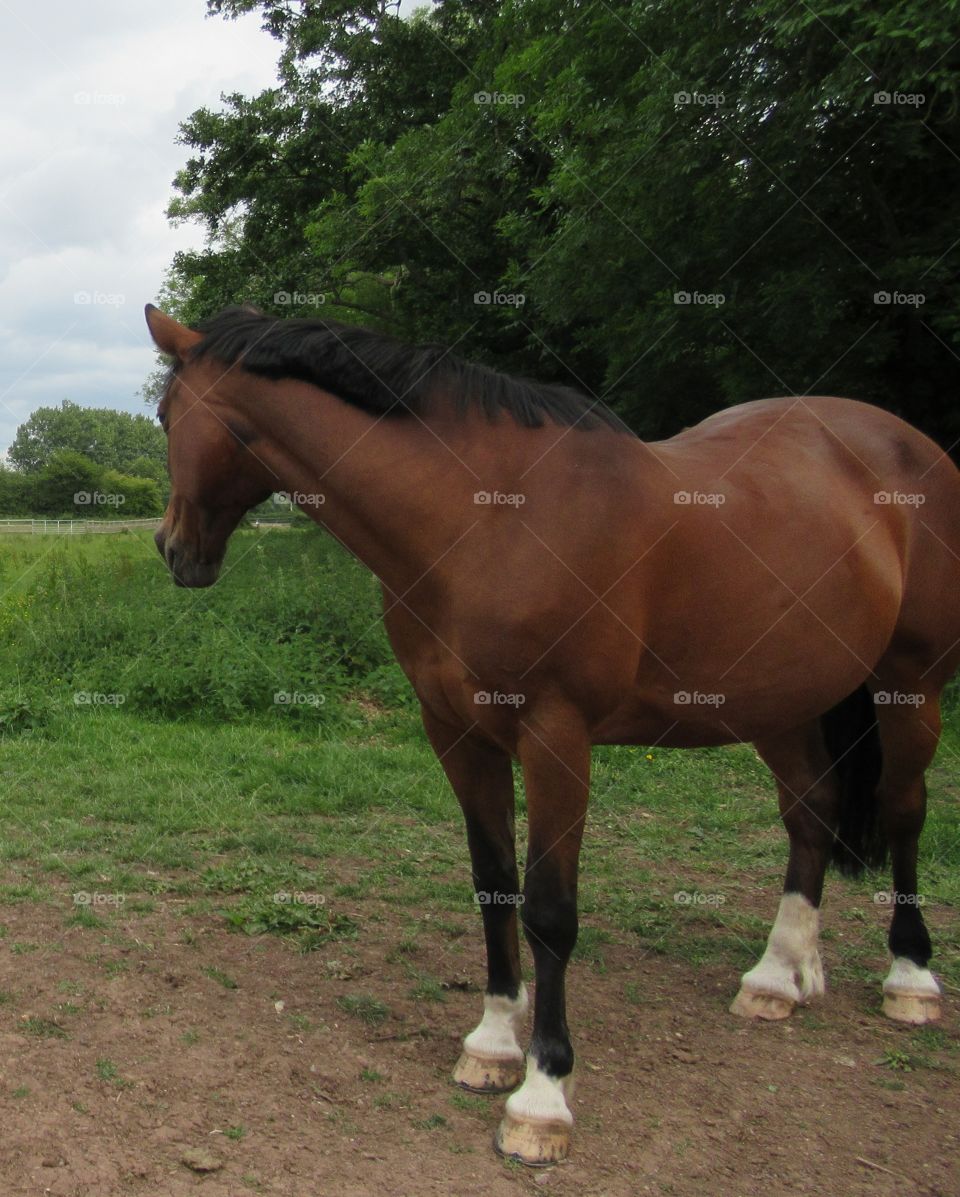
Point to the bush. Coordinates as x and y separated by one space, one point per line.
22 710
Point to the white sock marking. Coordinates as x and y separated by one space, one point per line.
790 967
541 1098
496 1035
910 979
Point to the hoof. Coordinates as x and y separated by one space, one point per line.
914 1008
488 1074
536 1144
772 1006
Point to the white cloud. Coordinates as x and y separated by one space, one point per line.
91 97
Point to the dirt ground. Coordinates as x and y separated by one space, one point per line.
124 1050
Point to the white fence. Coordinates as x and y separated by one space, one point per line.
43 527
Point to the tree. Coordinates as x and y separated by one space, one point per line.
15 492
72 485
129 496
65 485
111 439
789 173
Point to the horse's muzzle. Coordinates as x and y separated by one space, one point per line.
186 571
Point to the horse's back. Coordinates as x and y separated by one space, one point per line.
789 555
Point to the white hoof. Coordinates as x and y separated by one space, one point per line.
537 1122
911 993
914 1008
492 1060
790 972
488 1074
536 1144
749 1003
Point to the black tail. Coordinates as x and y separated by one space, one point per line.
852 737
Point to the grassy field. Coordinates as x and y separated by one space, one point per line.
145 753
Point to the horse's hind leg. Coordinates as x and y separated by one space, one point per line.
481 775
909 732
790 972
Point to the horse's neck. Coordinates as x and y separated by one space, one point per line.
391 490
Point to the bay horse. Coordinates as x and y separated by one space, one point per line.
786 573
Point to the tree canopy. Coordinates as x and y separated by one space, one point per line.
114 440
672 205
85 463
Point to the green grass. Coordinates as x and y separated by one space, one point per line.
899 1061
228 815
96 624
221 978
42 1028
199 787
365 1007
108 1071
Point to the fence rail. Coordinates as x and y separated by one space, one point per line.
41 527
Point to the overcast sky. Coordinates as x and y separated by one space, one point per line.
91 94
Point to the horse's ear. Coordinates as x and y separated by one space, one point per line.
169 336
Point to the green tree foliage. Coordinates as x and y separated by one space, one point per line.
590 165
55 487
72 485
15 492
115 440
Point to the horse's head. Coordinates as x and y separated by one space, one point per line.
215 478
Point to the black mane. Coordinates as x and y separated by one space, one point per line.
384 376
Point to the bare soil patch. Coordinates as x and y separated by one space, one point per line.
166 1038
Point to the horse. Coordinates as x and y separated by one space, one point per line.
785 573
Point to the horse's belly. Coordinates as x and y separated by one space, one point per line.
743 681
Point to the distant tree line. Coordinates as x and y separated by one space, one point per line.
674 205
85 463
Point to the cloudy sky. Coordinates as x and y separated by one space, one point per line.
91 95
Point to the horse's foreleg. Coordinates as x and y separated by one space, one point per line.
790 972
556 766
492 1060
